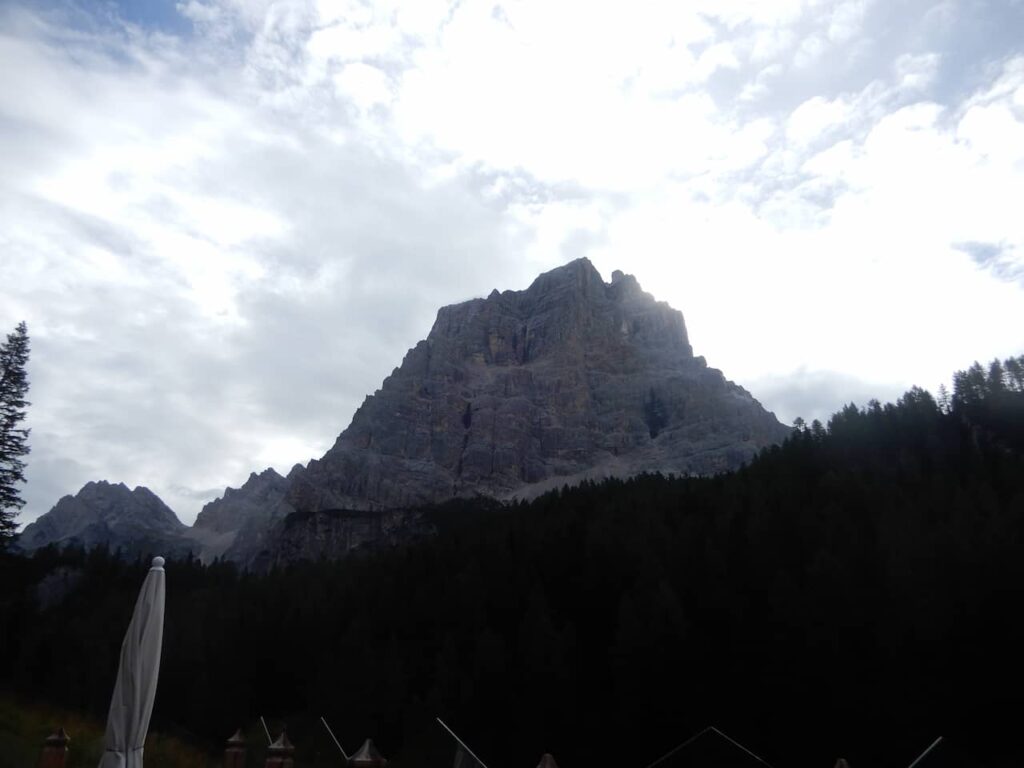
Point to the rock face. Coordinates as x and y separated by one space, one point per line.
234 525
136 521
259 494
523 391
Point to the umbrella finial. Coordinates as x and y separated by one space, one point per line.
158 564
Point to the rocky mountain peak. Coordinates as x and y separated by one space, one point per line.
578 277
256 484
560 315
103 512
570 378
237 506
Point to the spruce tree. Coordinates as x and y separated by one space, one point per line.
13 437
1015 373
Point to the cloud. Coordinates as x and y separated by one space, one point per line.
216 291
818 394
1001 259
223 239
917 72
815 117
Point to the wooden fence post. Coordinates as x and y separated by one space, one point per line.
281 754
55 750
234 751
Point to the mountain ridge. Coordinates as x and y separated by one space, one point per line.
570 379
104 513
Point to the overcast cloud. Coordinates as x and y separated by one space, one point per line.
226 221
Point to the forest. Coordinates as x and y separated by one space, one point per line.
855 592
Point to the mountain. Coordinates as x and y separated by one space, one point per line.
102 513
524 391
509 396
234 525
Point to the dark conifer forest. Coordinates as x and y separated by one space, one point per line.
855 592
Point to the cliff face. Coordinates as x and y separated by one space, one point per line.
103 513
235 525
255 499
572 378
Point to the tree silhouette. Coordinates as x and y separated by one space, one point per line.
13 438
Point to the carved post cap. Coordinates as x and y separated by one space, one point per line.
236 741
282 746
55 750
367 756
280 753
234 751
58 739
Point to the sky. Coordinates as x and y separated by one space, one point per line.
226 221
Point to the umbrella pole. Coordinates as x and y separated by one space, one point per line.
336 742
461 742
925 753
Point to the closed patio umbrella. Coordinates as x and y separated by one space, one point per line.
132 702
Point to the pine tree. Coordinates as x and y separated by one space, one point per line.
996 378
13 438
1015 373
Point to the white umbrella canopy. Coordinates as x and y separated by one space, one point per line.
135 689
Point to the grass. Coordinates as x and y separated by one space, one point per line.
24 726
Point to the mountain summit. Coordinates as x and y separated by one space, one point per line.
102 513
572 378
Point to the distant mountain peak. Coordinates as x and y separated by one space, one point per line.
104 512
233 524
